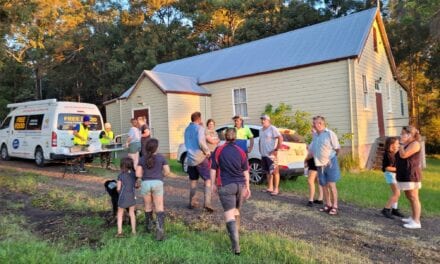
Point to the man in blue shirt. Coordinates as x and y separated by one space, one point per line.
230 173
198 159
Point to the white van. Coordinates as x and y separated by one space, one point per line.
42 130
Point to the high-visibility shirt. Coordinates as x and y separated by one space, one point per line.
106 138
84 133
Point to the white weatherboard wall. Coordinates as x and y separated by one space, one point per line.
180 108
375 65
319 90
148 95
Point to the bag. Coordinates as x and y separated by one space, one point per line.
134 147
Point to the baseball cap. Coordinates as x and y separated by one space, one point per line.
86 118
265 117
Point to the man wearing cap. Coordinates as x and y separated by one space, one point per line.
243 133
81 137
270 143
198 155
106 138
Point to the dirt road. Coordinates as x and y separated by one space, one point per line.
361 231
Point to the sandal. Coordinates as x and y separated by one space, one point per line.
333 211
266 191
326 209
119 235
274 193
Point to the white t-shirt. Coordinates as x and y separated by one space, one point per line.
268 140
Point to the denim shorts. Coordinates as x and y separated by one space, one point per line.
201 170
152 187
329 173
390 177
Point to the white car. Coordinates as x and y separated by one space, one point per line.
290 157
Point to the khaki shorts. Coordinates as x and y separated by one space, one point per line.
406 186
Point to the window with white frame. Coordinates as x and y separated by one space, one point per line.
240 102
389 99
365 89
402 107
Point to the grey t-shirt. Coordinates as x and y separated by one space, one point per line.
156 172
268 139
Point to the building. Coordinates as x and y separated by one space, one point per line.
342 69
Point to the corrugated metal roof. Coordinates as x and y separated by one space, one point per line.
335 39
172 83
127 93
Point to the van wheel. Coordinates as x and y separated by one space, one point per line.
4 153
184 162
39 157
256 172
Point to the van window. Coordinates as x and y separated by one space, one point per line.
6 122
34 122
20 122
68 121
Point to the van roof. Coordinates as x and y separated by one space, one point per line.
44 103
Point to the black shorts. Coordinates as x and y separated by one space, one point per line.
311 164
201 170
231 196
266 164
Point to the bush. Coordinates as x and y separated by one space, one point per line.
347 162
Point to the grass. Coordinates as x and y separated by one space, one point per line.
368 189
20 243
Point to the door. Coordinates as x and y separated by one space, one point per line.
379 111
17 146
142 112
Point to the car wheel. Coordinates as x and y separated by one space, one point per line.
256 172
4 153
184 162
39 157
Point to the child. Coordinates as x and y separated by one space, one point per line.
127 198
389 169
152 168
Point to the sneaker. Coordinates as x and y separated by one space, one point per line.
82 170
387 213
318 201
396 212
310 203
412 225
407 220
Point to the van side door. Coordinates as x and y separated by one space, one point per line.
17 144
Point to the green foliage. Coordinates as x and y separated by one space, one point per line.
347 162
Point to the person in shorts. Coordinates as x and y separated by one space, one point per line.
230 173
151 170
270 142
389 170
325 148
409 173
198 155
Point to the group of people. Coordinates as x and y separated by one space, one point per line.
402 170
401 167
81 138
225 170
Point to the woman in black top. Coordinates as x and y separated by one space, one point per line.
409 172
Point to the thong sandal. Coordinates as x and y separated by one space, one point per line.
326 209
333 211
266 191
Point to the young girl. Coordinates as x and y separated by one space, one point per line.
152 168
127 198
389 169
